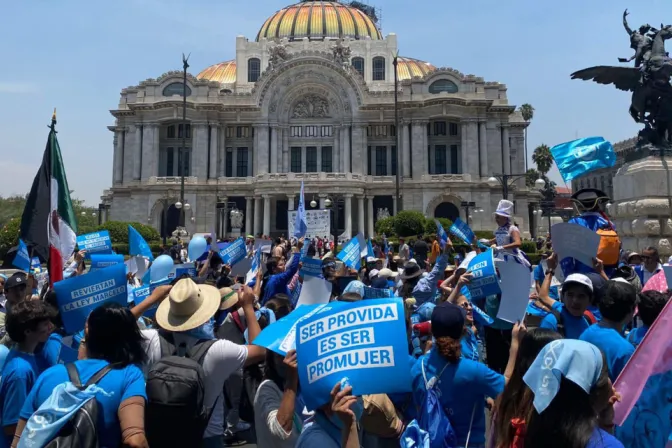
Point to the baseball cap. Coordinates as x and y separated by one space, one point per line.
16 280
371 259
580 279
448 321
373 273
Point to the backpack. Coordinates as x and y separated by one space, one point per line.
431 415
609 249
587 315
175 413
68 418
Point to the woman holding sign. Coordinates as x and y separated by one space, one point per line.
506 242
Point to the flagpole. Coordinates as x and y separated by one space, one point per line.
183 152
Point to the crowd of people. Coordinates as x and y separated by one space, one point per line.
544 382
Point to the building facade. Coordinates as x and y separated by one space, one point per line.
312 99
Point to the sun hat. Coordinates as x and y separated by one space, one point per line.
188 306
387 273
411 270
229 298
504 208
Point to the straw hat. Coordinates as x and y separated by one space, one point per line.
188 306
229 298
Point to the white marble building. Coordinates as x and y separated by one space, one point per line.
312 99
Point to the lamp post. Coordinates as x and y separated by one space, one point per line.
182 153
396 132
507 180
467 205
336 203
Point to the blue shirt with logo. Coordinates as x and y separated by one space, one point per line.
615 347
18 377
574 326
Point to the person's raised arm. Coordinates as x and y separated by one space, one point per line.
341 403
204 268
519 330
544 292
246 298
285 415
155 297
294 267
439 268
463 281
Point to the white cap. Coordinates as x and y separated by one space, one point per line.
371 259
374 273
387 273
580 279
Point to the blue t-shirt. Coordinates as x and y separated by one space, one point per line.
469 343
18 377
463 388
602 439
574 326
48 354
636 336
614 346
539 277
120 384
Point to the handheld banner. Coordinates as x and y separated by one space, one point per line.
311 267
281 336
35 264
484 282
98 242
254 267
102 261
314 290
241 268
137 245
441 232
350 255
572 241
22 258
182 269
139 295
377 293
462 230
265 245
515 287
78 296
234 252
362 341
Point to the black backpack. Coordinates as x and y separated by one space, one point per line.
80 431
175 414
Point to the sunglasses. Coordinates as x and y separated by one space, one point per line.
465 305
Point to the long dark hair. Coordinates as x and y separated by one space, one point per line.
271 372
113 335
516 400
570 420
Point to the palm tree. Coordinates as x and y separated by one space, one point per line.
543 158
527 111
531 175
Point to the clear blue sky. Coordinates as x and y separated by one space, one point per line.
77 55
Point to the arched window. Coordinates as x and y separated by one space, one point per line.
358 64
443 85
253 69
379 68
175 88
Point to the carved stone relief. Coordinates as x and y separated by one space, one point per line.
311 106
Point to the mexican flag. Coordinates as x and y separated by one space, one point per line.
48 224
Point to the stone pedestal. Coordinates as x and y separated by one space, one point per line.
642 204
235 232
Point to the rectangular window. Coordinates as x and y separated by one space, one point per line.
393 154
439 128
327 131
440 159
312 131
369 163
358 64
228 167
184 162
295 161
381 160
242 131
327 164
393 130
171 131
311 159
453 160
229 132
241 162
379 69
452 128
180 129
295 131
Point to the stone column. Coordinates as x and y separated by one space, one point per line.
285 150
336 153
359 149
117 174
506 149
249 207
148 167
280 141
262 149
472 149
370 217
405 152
483 148
128 146
221 172
199 151
464 154
225 220
419 149
360 215
274 148
154 159
137 151
257 216
290 202
267 214
214 150
322 198
346 149
347 199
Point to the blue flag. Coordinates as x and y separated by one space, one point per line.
582 156
22 258
462 230
369 249
301 226
440 231
137 244
350 255
254 266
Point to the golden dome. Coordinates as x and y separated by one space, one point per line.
224 72
319 20
408 68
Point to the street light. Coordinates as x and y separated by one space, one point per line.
83 213
327 202
467 205
507 180
178 205
182 159
336 202
313 204
187 206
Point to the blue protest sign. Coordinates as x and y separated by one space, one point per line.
22 258
35 264
350 255
441 232
182 269
140 294
101 261
98 242
462 230
369 249
234 252
484 281
377 293
363 341
280 337
311 267
254 266
137 244
78 296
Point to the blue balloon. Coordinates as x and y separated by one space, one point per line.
197 246
160 268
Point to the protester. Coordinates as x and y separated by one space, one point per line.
650 266
280 275
420 251
423 289
404 252
649 307
507 242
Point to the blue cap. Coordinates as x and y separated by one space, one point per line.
448 320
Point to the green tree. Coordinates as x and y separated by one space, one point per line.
527 111
543 159
409 223
531 175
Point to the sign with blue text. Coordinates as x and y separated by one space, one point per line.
377 293
78 296
139 295
311 267
234 252
97 242
181 269
364 342
462 230
35 264
22 258
350 255
484 281
101 261
280 337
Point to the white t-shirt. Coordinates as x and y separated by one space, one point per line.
270 434
222 359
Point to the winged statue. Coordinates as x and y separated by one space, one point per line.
648 80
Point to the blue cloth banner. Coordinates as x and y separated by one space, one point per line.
480 316
280 337
234 252
137 244
377 293
350 255
364 342
311 267
22 258
462 230
78 296
484 281
301 225
98 242
582 156
140 294
369 249
101 261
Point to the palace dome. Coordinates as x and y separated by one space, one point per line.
318 20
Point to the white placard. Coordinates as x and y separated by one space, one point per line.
313 291
318 222
515 291
573 240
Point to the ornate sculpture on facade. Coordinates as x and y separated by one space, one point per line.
277 54
311 106
236 219
382 214
649 80
341 53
